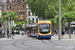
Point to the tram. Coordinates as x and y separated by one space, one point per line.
42 29
31 29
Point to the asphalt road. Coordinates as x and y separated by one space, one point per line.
32 43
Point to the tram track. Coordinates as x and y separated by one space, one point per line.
30 46
15 44
53 43
47 43
24 46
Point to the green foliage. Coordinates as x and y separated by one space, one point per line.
30 21
4 13
13 28
45 9
12 15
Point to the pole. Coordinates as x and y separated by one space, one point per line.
6 28
5 22
8 21
59 3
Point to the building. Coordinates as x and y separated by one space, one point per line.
22 10
31 16
17 6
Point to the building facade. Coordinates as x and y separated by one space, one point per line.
31 16
17 6
22 10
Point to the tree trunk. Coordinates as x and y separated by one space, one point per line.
69 30
6 28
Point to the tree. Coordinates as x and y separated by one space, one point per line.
45 9
53 25
12 15
30 21
69 16
48 9
22 22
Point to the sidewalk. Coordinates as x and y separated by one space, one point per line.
66 37
15 37
55 37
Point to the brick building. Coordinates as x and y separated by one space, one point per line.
17 6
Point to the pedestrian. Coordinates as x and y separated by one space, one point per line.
13 34
23 32
3 33
15 31
20 32
55 31
28 32
7 33
63 32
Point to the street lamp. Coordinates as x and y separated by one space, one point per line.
8 20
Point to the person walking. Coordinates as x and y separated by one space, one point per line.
3 33
15 31
13 34
23 32
63 32
28 32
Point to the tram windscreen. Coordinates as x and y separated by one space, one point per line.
44 28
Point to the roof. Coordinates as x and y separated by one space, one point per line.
31 25
44 21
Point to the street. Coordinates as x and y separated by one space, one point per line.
32 43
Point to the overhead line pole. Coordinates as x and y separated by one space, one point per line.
59 31
8 21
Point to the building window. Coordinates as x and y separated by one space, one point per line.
23 13
20 13
23 6
29 13
13 7
32 20
29 18
7 7
36 19
17 13
7 1
12 1
20 1
2 6
17 6
17 0
10 7
23 0
20 6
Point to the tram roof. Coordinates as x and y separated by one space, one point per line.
46 21
31 25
